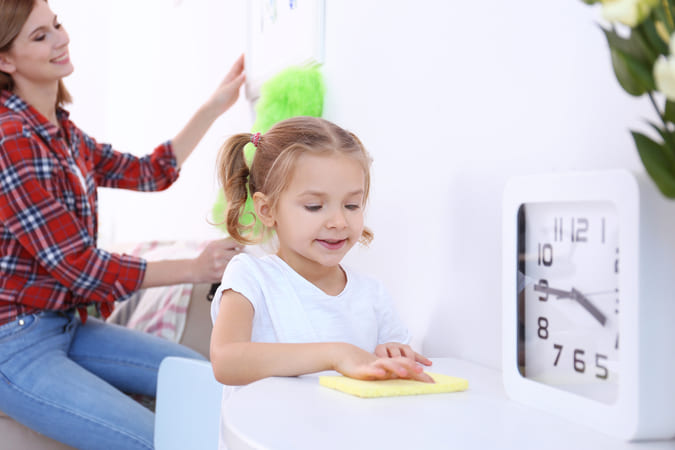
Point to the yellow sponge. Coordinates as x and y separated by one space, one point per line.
391 388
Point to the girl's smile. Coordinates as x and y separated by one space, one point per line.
332 244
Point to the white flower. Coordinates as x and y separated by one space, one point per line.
627 12
664 75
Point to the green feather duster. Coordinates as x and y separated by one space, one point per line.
295 91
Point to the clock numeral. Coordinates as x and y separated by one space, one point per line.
578 233
578 229
579 364
545 255
543 283
557 357
542 331
603 369
557 229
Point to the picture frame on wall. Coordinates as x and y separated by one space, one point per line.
282 33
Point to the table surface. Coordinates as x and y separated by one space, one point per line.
298 413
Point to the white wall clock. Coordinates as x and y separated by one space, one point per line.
589 300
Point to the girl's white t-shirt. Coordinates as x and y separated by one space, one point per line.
288 308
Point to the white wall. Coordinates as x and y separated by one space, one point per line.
142 68
450 97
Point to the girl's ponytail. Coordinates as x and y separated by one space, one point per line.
233 174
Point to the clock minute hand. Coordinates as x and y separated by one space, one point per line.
590 307
574 295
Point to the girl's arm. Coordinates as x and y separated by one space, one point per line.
220 101
236 360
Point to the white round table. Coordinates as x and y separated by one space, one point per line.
297 413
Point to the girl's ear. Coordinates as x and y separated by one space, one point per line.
6 64
263 209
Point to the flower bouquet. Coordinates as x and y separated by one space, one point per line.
641 39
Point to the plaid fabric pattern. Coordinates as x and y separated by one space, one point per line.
48 212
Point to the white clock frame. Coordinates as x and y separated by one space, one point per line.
645 405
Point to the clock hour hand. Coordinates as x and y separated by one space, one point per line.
574 295
557 292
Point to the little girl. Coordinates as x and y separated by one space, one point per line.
299 311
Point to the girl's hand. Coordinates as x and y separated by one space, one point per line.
209 266
394 350
356 363
227 92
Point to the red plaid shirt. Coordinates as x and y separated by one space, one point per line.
48 213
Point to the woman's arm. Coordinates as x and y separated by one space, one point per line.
219 102
208 267
158 170
236 360
49 235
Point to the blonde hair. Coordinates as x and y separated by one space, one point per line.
272 167
13 16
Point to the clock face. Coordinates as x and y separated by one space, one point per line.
568 301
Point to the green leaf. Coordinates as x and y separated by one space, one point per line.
667 138
660 15
669 112
668 146
632 59
633 76
648 30
636 45
623 75
640 37
655 158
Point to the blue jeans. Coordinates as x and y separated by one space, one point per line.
68 381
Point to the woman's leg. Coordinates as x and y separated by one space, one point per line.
51 391
128 359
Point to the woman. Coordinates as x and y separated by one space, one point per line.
62 374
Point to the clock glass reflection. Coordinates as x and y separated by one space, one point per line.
568 297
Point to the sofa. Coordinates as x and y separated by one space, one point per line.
196 335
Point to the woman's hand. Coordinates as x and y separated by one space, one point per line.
394 350
227 92
210 264
220 101
354 362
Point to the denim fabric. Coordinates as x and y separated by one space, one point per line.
68 380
